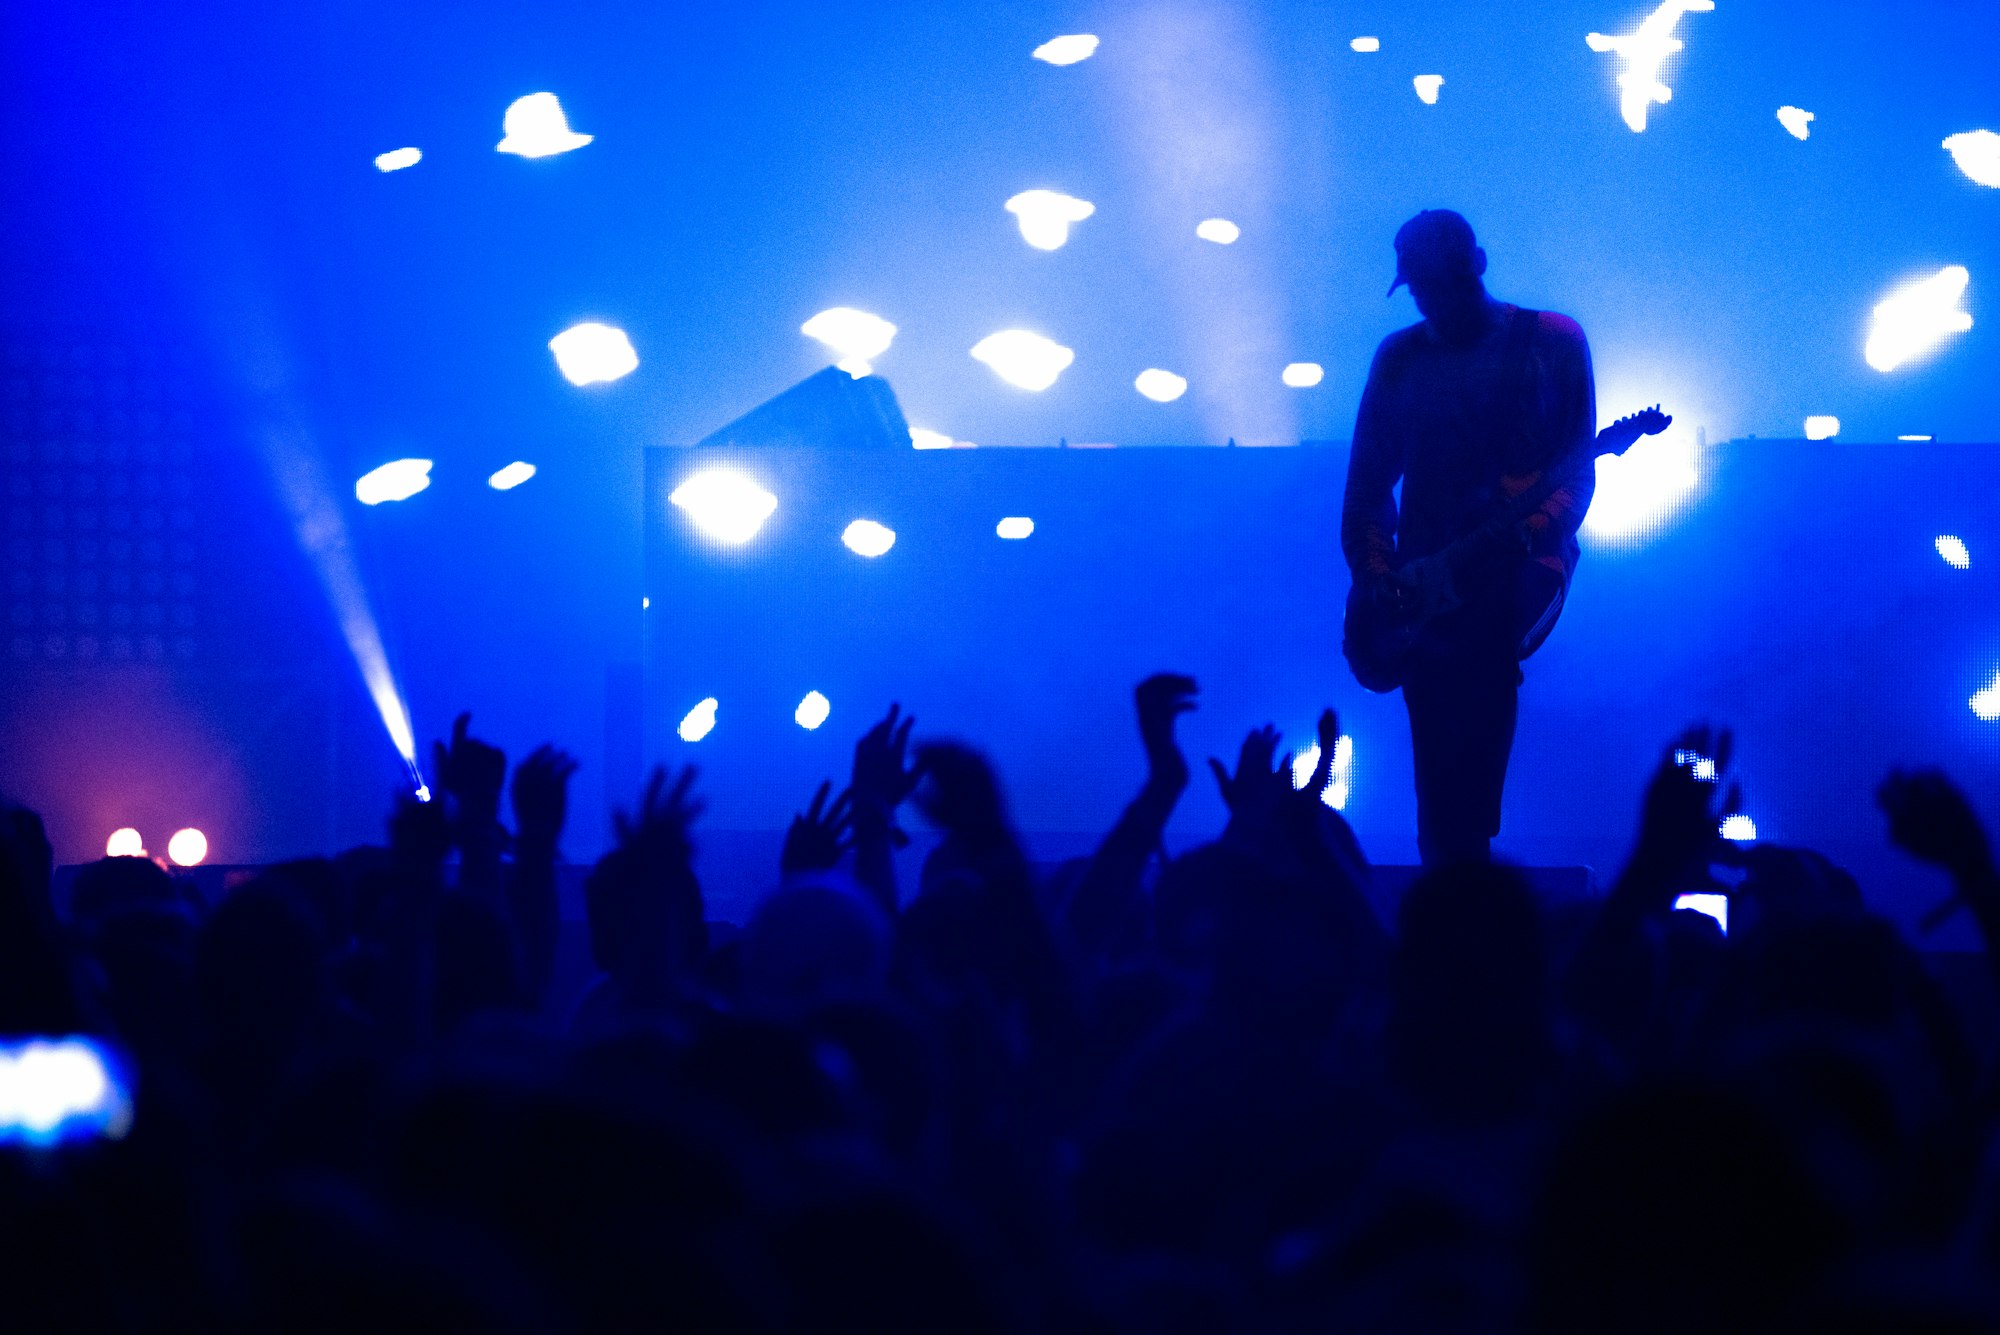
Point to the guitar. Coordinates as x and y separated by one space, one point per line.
1381 632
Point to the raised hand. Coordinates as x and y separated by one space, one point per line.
665 815
1256 794
1162 698
541 797
1680 819
818 835
471 773
1930 820
883 779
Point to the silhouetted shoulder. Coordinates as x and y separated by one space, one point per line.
1400 344
1559 327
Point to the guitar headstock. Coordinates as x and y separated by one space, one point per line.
1623 433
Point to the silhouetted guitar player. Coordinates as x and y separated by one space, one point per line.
1486 413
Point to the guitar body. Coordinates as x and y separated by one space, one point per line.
1379 637
1380 634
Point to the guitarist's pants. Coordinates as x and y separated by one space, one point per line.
1462 687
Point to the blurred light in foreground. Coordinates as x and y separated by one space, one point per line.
1023 359
1015 527
398 158
1219 230
592 353
724 503
1645 50
812 711
1822 427
1337 787
1977 153
1366 44
1045 216
856 337
1303 375
1739 829
1917 317
1714 906
125 843
865 537
58 1089
1643 488
1700 766
699 722
397 480
188 848
923 438
1796 120
535 127
1950 548
1160 386
1985 701
512 476
1066 50
1427 86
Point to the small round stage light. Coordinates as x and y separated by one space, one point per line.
397 159
1015 527
1427 88
725 504
856 337
1045 216
125 843
1365 44
1954 552
1066 50
397 480
812 711
1977 153
1985 702
1160 386
1219 230
865 537
1303 375
699 721
188 848
591 353
1739 829
512 476
1023 359
1796 120
535 127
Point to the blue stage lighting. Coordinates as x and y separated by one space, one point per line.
856 337
1066 50
1645 52
1045 216
698 722
535 127
1015 527
398 158
865 537
62 1089
1303 375
591 353
1427 86
1796 120
1160 386
1365 44
1953 551
1977 153
812 711
1916 318
1822 427
725 503
1219 230
397 480
1985 702
512 476
1023 359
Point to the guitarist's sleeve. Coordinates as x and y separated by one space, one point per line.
1374 466
1572 401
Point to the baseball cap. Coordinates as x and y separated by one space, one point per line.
1437 240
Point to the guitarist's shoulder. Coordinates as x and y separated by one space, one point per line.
1557 327
1401 343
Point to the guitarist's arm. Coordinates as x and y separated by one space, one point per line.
1573 421
1374 465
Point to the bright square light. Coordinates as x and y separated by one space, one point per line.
535 127
1015 527
1739 829
1160 386
1822 427
592 353
865 537
1219 230
1366 44
397 480
1954 552
1427 86
812 711
1303 375
725 503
